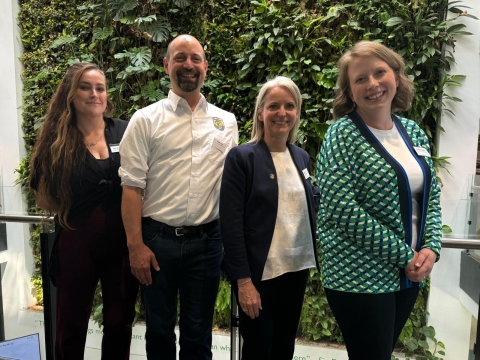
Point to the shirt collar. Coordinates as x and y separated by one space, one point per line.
177 101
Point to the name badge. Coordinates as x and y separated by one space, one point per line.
421 151
220 146
305 173
114 148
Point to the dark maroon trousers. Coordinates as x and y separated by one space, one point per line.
95 251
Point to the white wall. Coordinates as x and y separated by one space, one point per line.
16 279
448 313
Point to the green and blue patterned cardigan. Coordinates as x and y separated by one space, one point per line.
365 210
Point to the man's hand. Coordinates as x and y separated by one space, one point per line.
141 260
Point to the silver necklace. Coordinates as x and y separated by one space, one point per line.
90 144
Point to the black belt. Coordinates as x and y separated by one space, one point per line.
184 230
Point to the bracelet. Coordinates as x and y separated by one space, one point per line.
245 282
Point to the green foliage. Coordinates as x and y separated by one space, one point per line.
221 316
246 42
446 229
317 321
424 347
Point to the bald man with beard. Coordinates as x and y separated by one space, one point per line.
173 153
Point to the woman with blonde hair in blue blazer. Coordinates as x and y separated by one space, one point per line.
267 217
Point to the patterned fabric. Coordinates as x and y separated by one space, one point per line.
363 247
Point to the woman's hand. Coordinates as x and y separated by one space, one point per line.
249 298
421 265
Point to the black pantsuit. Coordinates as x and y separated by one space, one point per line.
271 336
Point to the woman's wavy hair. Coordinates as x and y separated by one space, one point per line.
343 104
286 83
60 149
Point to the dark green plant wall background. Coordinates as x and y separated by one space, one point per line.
246 42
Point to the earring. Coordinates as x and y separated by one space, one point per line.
354 105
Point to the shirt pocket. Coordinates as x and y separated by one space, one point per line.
218 147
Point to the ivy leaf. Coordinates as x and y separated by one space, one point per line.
446 229
151 92
142 56
119 8
428 331
181 3
159 29
128 20
411 344
394 21
423 344
102 33
67 39
146 19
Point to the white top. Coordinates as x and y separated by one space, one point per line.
177 156
292 246
393 142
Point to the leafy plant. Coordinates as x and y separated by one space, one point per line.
426 347
221 317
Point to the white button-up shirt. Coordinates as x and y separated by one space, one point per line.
177 156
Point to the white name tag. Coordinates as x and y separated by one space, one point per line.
220 146
421 151
114 148
305 173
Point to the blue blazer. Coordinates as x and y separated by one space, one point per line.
249 204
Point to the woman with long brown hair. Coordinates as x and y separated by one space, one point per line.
74 173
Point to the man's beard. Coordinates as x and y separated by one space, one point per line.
186 85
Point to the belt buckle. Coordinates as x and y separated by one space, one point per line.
176 231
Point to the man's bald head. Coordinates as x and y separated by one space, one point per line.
179 38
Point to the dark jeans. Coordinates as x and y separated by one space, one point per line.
271 336
371 323
96 250
190 268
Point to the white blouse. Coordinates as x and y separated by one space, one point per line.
292 246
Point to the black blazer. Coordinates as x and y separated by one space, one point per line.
249 204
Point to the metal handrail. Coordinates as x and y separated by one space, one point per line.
457 243
449 243
31 219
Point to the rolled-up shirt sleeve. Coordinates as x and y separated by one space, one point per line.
135 152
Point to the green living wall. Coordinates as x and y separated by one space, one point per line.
246 42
